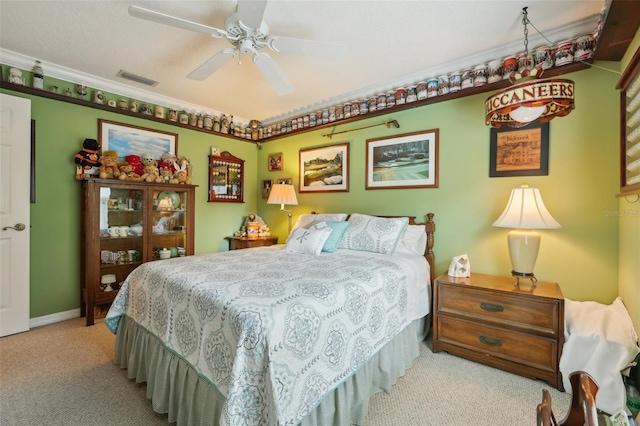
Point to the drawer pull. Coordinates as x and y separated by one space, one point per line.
491 341
491 307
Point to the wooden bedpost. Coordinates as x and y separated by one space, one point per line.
431 258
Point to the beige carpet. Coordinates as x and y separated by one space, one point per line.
62 375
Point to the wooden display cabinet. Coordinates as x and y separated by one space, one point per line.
226 178
125 224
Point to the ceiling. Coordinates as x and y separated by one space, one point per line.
389 44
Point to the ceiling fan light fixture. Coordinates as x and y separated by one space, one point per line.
529 99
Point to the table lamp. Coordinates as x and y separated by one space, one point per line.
283 194
525 212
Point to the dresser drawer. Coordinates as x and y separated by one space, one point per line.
531 314
535 351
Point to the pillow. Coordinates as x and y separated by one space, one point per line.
308 241
305 220
413 241
374 234
332 242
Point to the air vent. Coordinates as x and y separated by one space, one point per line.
137 78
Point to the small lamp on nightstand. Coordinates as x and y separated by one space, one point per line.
525 211
283 194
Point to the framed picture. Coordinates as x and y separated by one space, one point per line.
266 188
276 162
409 160
126 139
286 181
325 169
520 151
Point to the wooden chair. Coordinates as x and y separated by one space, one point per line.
583 404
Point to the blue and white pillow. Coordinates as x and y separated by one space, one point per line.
338 229
307 241
306 220
374 234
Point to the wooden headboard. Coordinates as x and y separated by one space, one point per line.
430 228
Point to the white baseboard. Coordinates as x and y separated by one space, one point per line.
53 318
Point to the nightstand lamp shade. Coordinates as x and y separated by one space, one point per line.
283 194
525 211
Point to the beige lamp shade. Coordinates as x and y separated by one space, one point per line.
525 211
283 194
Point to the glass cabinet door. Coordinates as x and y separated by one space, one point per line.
121 236
170 222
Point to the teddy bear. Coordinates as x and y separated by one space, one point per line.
109 166
181 177
136 162
166 175
168 160
127 173
151 174
87 159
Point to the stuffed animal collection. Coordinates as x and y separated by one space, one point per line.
135 168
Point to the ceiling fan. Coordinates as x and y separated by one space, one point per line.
248 33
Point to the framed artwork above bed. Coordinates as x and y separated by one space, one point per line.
325 169
409 160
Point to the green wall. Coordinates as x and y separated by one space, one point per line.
582 256
55 217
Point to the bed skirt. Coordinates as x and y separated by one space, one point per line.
177 390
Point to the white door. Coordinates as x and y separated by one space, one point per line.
15 161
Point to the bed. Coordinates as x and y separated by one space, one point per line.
281 335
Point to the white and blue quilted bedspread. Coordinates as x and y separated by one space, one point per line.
271 330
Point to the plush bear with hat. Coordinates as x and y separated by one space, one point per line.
87 158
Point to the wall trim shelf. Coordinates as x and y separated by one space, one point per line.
553 72
87 103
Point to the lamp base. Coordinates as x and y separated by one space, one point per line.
526 276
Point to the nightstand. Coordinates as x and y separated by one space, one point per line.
487 319
237 243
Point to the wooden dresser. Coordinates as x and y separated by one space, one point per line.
238 243
485 318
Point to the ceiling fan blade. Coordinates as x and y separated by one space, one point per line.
212 65
302 47
161 18
251 12
272 73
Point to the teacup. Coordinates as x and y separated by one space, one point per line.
124 231
114 231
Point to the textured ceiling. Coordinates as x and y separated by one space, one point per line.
389 43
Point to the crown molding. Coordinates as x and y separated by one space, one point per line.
18 60
567 32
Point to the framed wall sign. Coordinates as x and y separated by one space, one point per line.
409 160
325 169
520 151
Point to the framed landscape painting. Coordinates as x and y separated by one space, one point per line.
409 160
126 139
325 169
